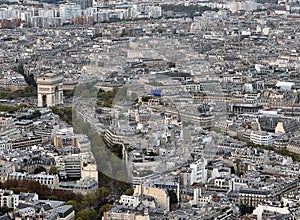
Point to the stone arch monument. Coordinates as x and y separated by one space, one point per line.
50 90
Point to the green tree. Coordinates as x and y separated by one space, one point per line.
74 204
36 113
93 214
4 209
11 109
53 170
103 209
87 215
129 192
65 113
39 169
68 93
78 198
89 200
105 99
102 192
96 35
83 214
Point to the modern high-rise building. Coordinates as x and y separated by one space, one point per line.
68 11
199 172
83 3
73 167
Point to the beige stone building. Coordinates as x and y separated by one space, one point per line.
161 197
50 90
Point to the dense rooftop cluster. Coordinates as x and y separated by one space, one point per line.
197 109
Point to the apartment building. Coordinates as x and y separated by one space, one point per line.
43 178
261 138
8 198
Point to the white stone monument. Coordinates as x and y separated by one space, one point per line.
50 90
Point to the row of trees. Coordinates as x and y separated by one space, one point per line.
11 109
43 191
88 207
285 152
28 91
112 166
280 151
105 99
91 206
4 210
68 93
53 170
64 113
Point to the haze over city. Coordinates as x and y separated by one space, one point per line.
142 110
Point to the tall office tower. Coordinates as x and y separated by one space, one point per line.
83 3
68 11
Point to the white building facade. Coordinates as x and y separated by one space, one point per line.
261 138
199 172
68 11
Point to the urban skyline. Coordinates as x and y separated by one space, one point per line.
149 110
